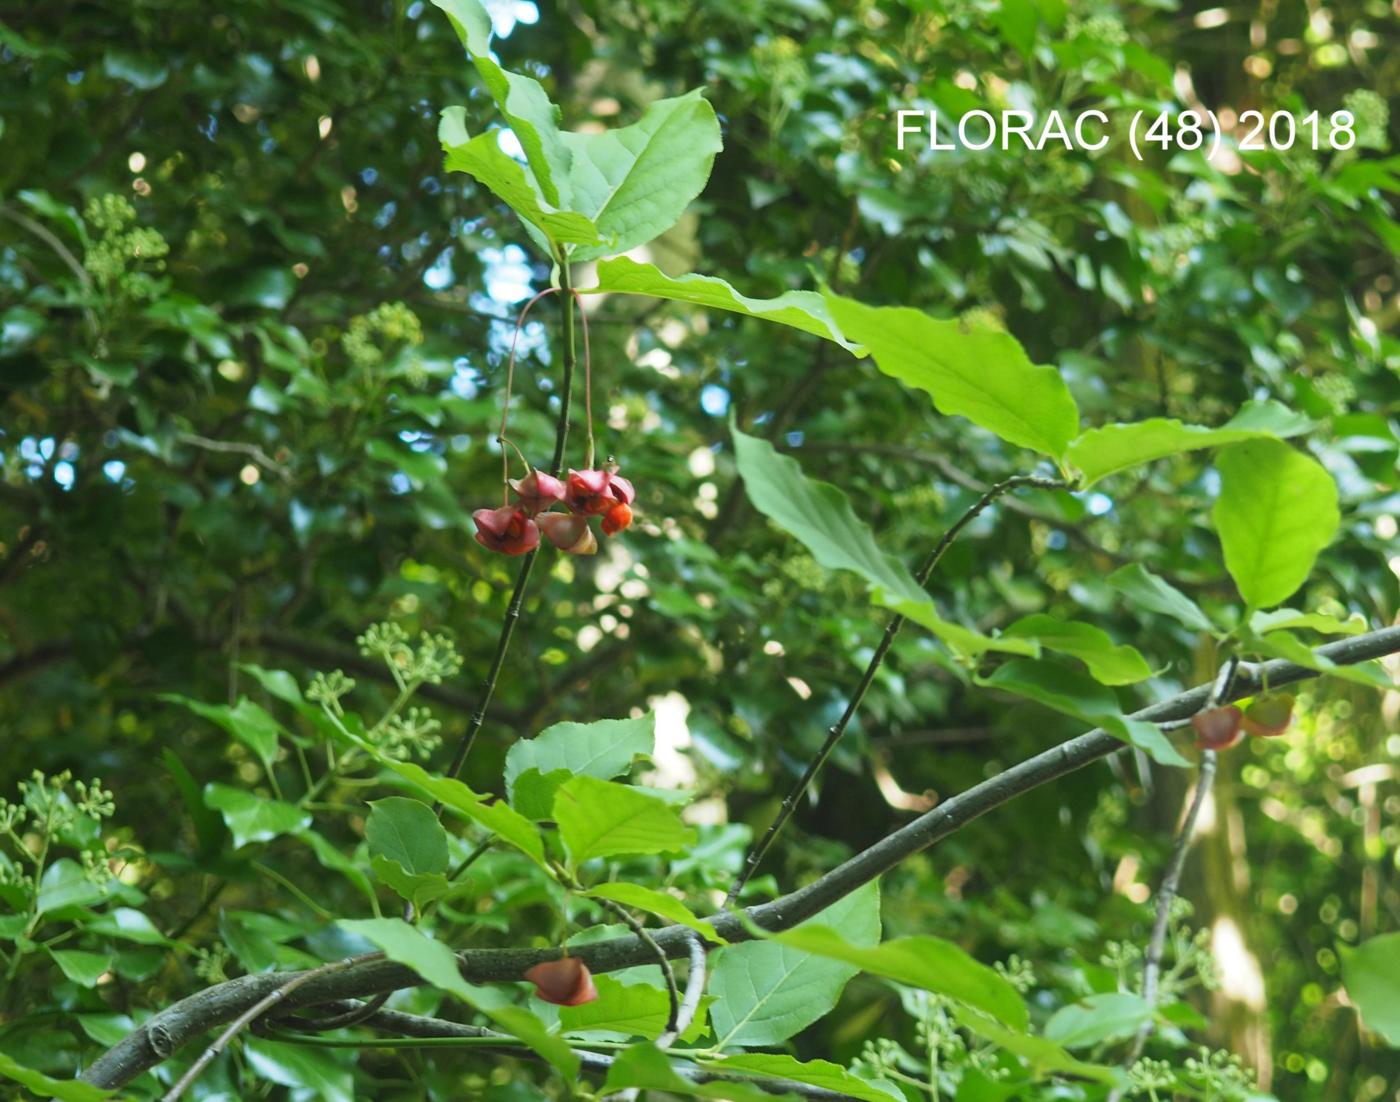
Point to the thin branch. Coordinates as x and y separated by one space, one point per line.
236 447
163 1033
1171 880
833 736
668 974
266 1003
41 231
424 1029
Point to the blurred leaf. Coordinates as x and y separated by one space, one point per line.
1110 663
1276 510
1371 972
1144 588
1097 1018
654 902
252 818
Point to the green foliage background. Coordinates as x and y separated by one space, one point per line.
253 415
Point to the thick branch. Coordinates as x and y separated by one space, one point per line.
173 1027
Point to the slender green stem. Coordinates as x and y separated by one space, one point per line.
791 800
301 896
517 597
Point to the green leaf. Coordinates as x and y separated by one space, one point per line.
128 924
959 639
634 182
820 516
435 962
804 310
499 818
1044 1056
316 1070
248 722
522 101
633 1010
645 1067
1145 589
603 749
1096 1018
252 818
418 888
972 371
1276 510
83 968
67 1090
407 833
1371 972
657 903
534 792
1110 663
482 158
65 885
928 962
278 683
816 1073
1065 690
603 819
1111 448
1281 644
1285 619
766 991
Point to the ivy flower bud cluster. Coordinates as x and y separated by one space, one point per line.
515 529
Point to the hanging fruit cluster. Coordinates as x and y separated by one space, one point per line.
515 528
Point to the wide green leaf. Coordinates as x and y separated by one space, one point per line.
766 991
1276 510
1371 972
970 370
418 888
1103 451
634 182
1110 663
1065 690
603 819
253 818
1096 1018
804 310
408 833
657 903
928 962
435 962
1148 591
604 749
80 966
498 817
630 1009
